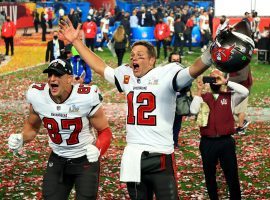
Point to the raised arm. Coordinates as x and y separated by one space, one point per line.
72 35
201 64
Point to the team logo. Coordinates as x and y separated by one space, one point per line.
58 108
73 108
221 54
144 34
126 79
223 102
153 81
50 164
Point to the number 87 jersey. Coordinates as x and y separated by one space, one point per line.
67 123
150 105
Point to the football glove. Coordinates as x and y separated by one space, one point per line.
206 56
92 153
15 142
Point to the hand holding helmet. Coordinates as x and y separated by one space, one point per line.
232 49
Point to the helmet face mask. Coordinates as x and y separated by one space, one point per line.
231 51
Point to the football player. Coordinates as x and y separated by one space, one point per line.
68 112
148 164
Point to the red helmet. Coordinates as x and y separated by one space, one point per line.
232 49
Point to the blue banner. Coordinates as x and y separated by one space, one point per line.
84 7
196 36
143 33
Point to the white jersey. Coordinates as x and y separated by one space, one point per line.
105 25
150 106
67 123
205 22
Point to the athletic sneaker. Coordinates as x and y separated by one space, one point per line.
245 124
100 49
240 131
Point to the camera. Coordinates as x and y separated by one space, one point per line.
209 79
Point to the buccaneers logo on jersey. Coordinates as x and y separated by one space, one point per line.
220 54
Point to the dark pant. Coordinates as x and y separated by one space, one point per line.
120 54
178 42
44 29
164 43
36 23
176 128
188 40
105 38
62 174
90 43
9 42
205 38
50 23
220 149
157 177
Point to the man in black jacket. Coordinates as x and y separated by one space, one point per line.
55 48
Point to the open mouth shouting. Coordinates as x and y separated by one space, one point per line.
54 87
135 67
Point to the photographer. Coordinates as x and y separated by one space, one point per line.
216 143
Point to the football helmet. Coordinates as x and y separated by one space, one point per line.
232 48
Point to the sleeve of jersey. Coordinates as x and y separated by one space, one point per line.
31 96
95 100
118 76
182 79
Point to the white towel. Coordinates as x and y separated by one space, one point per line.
131 164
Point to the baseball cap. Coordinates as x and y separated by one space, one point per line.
60 66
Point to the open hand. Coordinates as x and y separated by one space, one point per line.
68 31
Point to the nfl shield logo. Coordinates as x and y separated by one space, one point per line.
58 107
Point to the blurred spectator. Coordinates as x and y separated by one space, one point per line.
179 28
43 24
78 12
170 22
120 41
91 11
35 15
8 33
125 23
61 13
211 16
104 27
246 18
188 33
161 33
139 14
50 17
90 31
134 21
175 57
244 78
55 48
205 30
184 16
81 71
148 20
255 26
159 14
223 22
74 17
